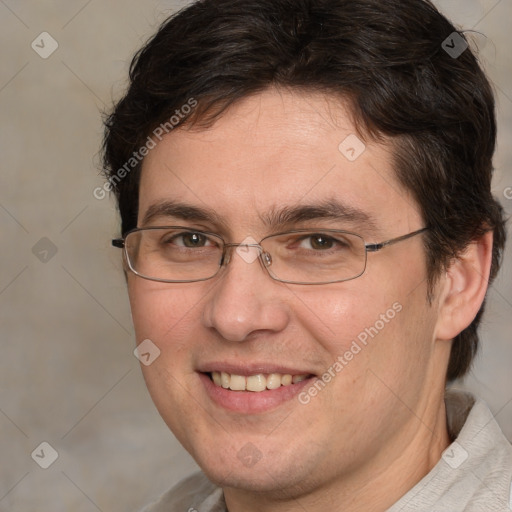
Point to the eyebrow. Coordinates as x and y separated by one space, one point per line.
181 211
276 218
327 210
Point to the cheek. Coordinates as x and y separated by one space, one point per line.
374 345
168 315
163 312
337 317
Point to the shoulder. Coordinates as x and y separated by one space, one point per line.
489 460
474 473
193 493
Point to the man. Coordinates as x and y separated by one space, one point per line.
308 236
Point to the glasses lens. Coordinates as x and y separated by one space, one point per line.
173 254
316 257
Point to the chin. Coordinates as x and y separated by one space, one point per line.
247 469
253 480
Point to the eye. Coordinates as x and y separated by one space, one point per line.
318 242
190 240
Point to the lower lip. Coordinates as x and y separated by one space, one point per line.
251 402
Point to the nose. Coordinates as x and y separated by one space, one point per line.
245 300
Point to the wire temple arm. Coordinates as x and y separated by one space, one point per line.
378 247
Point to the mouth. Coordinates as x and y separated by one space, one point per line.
254 392
255 383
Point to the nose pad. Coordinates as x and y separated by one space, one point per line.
249 252
225 258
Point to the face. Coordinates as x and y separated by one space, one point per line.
363 349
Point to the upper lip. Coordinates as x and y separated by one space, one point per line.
251 368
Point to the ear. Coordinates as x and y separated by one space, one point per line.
463 288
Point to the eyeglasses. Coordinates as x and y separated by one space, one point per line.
177 254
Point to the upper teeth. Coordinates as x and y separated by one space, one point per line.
258 382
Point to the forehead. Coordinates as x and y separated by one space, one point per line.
273 151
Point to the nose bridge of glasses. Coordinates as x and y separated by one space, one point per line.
249 250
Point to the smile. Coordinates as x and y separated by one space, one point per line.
255 383
259 390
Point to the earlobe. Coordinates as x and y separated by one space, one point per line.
463 288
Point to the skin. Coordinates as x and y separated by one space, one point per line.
379 426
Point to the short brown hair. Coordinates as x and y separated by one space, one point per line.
387 58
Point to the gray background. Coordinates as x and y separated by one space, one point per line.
67 372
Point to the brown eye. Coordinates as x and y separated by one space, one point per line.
321 242
190 240
193 240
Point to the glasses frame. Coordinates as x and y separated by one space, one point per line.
120 244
